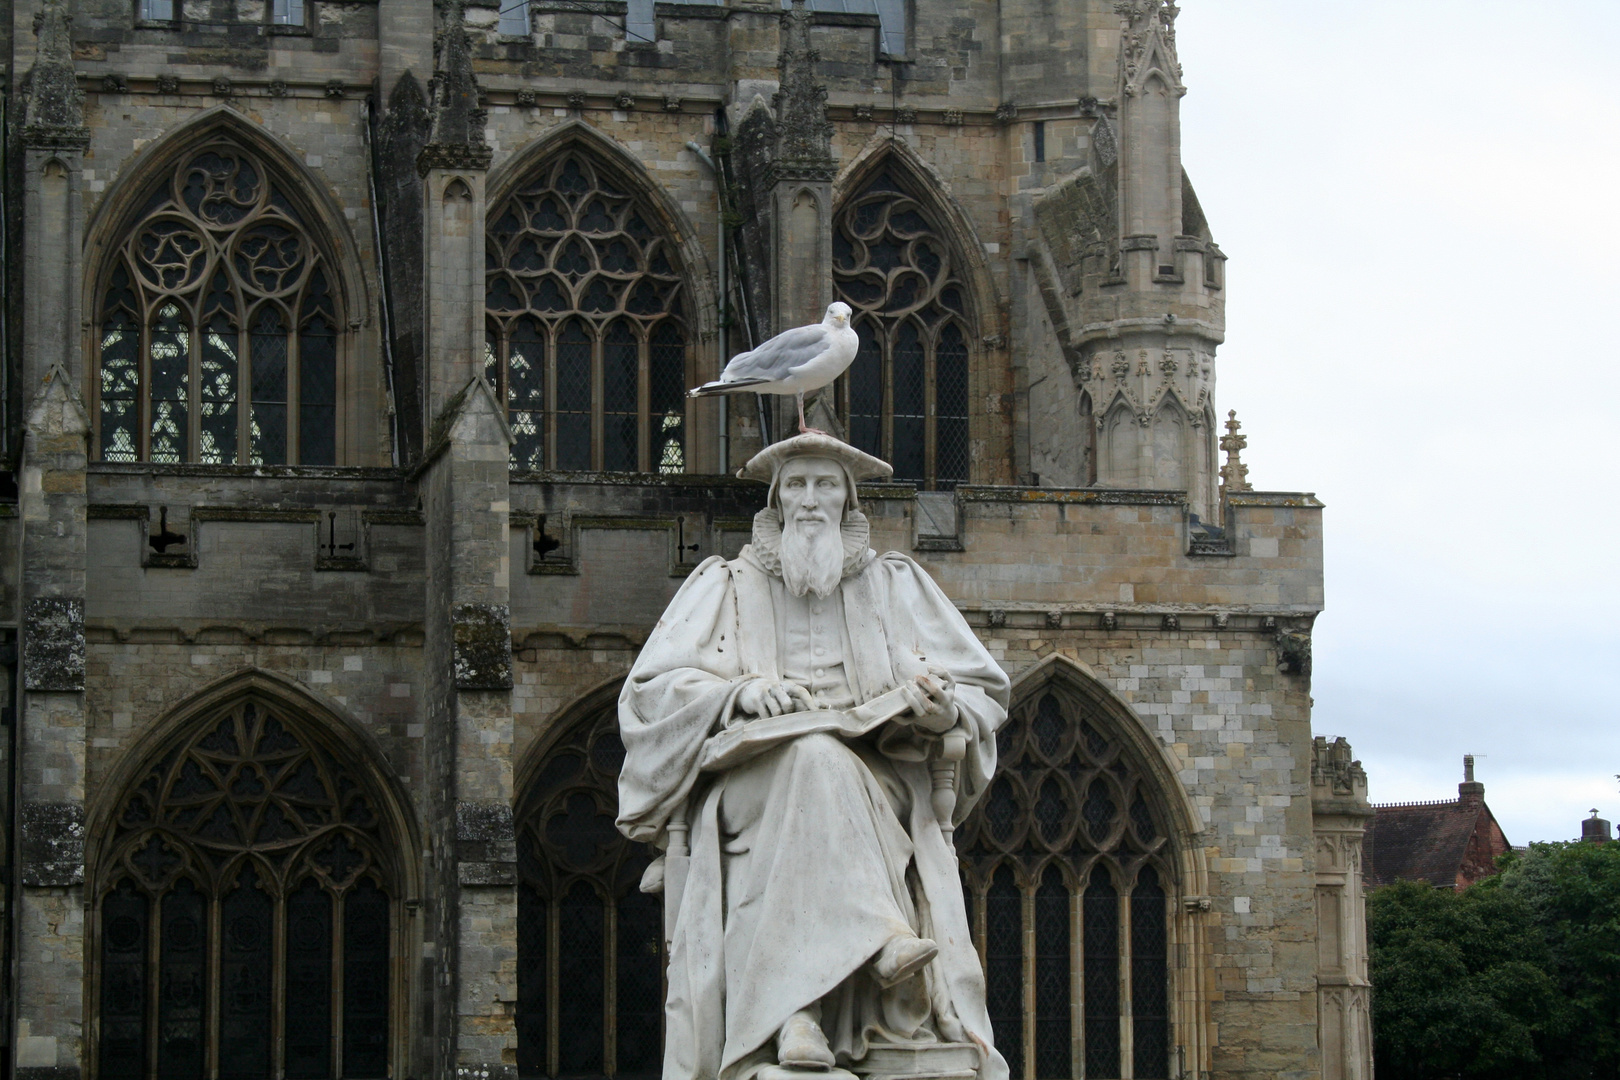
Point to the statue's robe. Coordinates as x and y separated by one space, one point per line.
808 858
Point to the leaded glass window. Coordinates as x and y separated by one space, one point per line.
586 338
1065 865
590 943
217 324
905 397
245 923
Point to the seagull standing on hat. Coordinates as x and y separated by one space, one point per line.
797 362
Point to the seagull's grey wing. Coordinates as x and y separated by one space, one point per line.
776 358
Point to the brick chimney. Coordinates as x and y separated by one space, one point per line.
1469 793
1595 830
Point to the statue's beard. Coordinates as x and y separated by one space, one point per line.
812 559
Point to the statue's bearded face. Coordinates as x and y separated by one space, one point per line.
812 492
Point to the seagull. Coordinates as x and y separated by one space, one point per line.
795 361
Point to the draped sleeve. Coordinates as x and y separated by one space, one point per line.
680 690
924 628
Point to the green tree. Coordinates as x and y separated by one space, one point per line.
1516 977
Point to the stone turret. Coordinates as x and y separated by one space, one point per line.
1132 279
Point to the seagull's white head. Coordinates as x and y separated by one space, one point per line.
837 314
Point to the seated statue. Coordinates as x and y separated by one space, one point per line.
803 730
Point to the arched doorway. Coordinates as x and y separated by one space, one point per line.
590 943
246 903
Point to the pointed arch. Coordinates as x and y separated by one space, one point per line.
1075 864
590 942
206 229
249 868
585 246
115 211
904 259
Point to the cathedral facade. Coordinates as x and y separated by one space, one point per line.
350 464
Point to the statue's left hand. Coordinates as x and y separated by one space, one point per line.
932 698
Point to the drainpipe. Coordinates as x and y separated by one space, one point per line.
720 241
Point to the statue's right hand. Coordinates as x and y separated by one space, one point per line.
768 697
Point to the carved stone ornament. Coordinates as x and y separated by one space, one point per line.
952 117
335 88
863 111
54 116
736 738
576 100
168 84
624 100
222 86
525 99
1006 113
114 83
905 114
672 103
278 88
804 136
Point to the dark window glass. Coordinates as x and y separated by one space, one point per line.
866 392
580 1012
666 413
1054 1052
123 983
308 1041
1101 907
170 376
1004 966
620 394
910 385
317 379
244 981
638 988
526 393
182 997
951 404
267 420
532 975
573 396
606 989
1150 978
365 982
216 239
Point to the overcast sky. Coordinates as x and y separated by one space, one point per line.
1420 200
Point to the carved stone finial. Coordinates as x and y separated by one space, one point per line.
804 137
1148 29
54 117
1334 770
1234 474
457 136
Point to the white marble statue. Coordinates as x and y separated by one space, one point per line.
804 728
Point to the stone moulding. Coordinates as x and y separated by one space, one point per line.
53 645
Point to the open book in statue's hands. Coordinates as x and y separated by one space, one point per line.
735 745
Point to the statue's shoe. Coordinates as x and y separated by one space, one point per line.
801 1045
902 958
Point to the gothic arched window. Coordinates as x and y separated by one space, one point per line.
245 918
586 338
906 395
217 324
1064 862
590 943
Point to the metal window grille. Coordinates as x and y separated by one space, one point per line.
256 826
217 290
590 943
906 395
1064 858
584 303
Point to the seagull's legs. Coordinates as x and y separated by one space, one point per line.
803 428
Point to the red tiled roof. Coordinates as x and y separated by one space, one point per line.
1423 842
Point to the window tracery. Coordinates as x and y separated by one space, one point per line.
245 923
586 338
1065 858
590 943
906 394
217 324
